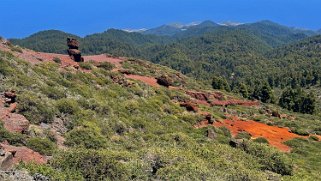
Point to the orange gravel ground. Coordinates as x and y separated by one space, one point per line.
275 135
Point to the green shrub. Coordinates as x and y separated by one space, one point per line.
52 173
225 131
5 68
86 65
53 92
57 60
314 138
12 138
67 106
42 145
86 137
270 158
105 65
300 131
261 140
243 135
95 165
16 49
34 108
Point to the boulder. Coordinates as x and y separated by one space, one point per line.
189 106
73 51
10 97
21 154
209 118
16 175
210 133
164 81
276 114
72 43
237 143
75 55
5 160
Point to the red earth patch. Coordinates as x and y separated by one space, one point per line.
23 154
275 135
148 80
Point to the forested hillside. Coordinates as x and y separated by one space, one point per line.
244 57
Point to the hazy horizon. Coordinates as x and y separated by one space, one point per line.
23 18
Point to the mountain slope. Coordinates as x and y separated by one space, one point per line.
275 34
112 111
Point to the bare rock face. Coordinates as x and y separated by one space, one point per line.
73 51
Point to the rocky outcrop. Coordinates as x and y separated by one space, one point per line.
73 51
13 155
15 123
189 106
237 143
5 159
10 96
210 133
11 121
164 81
209 118
16 175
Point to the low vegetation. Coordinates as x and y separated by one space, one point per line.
137 132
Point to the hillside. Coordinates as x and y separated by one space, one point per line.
111 118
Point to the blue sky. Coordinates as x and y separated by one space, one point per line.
20 18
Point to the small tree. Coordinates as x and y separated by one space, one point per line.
298 101
220 83
263 93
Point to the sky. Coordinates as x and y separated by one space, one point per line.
21 18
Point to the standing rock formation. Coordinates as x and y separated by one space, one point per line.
73 51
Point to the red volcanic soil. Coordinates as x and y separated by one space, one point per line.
23 154
105 58
12 122
38 57
275 135
148 80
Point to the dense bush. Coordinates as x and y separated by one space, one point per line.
90 138
86 65
106 65
243 135
35 108
96 165
270 159
57 60
261 140
12 138
67 106
41 145
53 174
